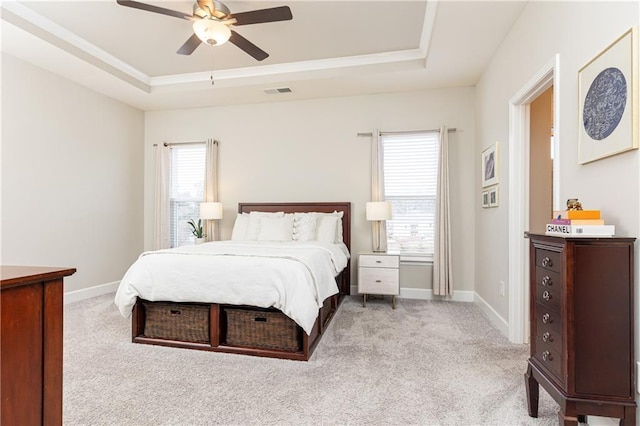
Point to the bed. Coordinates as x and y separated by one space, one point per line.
280 322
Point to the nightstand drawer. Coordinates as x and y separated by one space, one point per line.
378 281
379 261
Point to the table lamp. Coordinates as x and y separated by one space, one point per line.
378 211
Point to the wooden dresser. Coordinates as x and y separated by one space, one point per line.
31 345
582 335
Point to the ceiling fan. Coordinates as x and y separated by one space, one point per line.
211 21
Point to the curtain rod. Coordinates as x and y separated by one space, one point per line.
451 130
186 143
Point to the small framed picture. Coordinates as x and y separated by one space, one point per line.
490 166
493 197
485 199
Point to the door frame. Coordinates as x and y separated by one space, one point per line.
519 190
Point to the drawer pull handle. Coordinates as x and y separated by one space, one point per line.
547 281
378 281
378 261
175 312
546 337
546 318
546 295
260 319
546 356
546 262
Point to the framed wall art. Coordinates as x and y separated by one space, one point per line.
493 197
608 101
485 199
490 166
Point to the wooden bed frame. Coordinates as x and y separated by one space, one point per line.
217 319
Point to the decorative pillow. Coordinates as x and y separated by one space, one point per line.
338 228
304 226
239 232
326 228
276 228
253 229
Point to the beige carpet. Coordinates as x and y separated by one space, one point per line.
427 363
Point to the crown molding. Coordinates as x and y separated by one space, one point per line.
15 13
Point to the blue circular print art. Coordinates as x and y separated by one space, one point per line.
604 103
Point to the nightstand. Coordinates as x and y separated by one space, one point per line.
379 273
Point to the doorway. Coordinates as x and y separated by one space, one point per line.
541 161
523 169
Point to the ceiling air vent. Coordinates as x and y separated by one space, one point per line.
278 90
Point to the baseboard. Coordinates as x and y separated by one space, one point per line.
427 294
494 317
87 293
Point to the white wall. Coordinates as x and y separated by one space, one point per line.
72 177
577 31
543 30
309 151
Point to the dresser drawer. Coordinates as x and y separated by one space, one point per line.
550 336
548 298
550 260
550 279
549 358
378 261
379 281
545 317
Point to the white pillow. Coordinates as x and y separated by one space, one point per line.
239 232
253 229
304 226
338 228
276 228
326 228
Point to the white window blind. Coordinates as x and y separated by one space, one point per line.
410 178
187 190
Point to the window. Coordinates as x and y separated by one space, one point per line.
410 178
187 190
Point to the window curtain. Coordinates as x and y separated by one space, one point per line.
378 228
162 209
442 249
211 186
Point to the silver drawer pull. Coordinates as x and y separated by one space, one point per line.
546 356
546 337
546 262
546 295
546 318
547 281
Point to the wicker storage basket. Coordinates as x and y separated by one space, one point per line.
262 329
177 321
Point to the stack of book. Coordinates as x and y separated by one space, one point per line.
579 223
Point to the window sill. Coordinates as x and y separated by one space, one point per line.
412 259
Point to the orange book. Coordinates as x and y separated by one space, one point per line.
576 214
577 221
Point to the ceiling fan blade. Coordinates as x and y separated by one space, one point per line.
274 14
190 45
247 46
155 9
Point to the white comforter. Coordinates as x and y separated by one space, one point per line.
292 277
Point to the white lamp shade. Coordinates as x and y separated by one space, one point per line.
210 210
378 210
211 31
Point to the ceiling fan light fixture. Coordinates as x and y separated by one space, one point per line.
211 31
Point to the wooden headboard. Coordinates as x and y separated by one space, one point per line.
323 207
306 208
